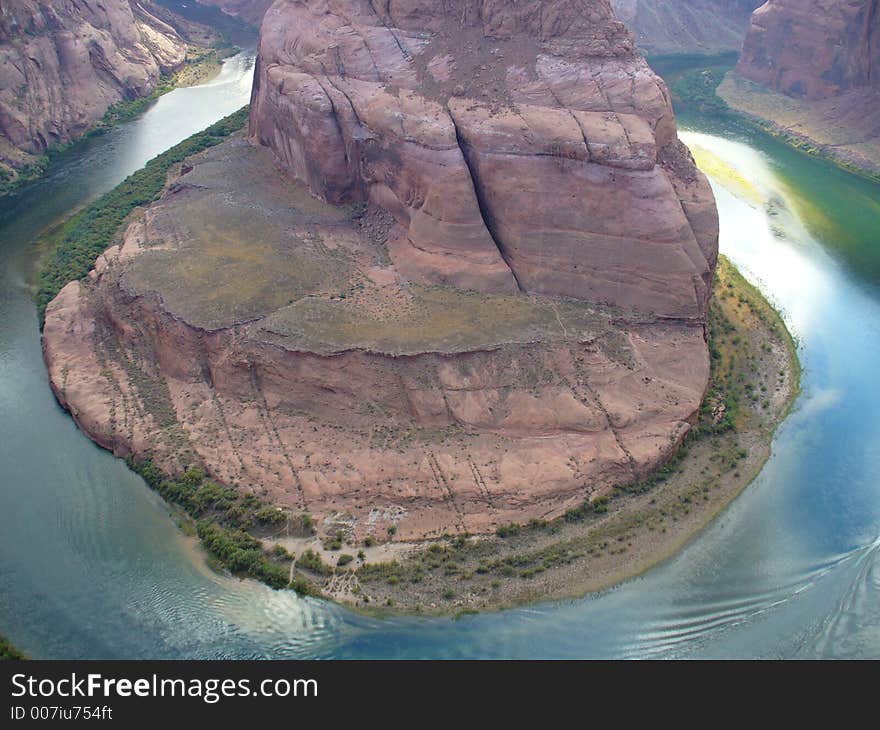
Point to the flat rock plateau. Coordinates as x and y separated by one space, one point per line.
455 276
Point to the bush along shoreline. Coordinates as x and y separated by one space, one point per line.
74 246
9 652
198 67
227 521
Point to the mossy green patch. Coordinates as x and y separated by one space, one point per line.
76 245
9 652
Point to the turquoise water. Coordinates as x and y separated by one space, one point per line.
92 566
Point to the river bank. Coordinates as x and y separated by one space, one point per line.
201 66
755 381
709 85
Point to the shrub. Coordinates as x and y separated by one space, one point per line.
310 560
507 530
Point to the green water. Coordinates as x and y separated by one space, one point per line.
92 566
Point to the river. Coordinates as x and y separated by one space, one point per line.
91 566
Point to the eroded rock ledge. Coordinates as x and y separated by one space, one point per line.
441 310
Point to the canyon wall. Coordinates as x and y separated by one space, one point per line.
813 49
64 62
687 26
810 68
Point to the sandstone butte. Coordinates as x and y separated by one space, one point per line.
456 277
62 64
821 59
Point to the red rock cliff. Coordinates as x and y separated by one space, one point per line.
429 347
519 145
813 48
64 62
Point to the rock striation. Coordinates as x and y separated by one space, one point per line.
64 62
457 277
517 145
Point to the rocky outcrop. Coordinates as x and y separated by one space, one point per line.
687 26
813 49
517 145
811 68
458 278
64 62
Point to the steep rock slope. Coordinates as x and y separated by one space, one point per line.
64 62
813 49
812 67
470 290
687 26
518 145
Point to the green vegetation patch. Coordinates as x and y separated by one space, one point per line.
9 652
88 233
236 241
225 520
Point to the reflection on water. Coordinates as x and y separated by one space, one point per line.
91 566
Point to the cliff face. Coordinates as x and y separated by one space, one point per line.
810 68
687 26
64 62
517 145
813 49
470 290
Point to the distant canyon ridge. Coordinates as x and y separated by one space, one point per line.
687 26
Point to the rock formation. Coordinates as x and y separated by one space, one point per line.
458 278
813 49
687 26
824 58
64 62
516 145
